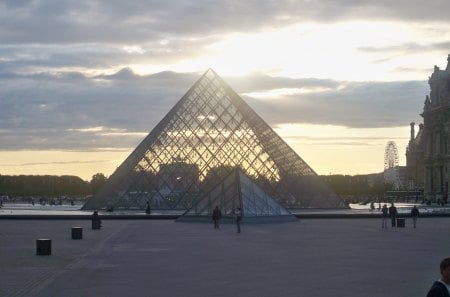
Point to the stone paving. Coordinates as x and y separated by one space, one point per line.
311 257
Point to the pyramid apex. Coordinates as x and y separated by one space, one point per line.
210 72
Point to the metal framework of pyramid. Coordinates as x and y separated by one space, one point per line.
209 130
238 190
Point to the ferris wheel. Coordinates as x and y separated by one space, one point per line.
391 170
390 155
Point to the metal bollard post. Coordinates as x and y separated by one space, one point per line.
43 247
77 233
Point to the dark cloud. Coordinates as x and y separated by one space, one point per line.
44 111
410 48
136 21
53 111
354 104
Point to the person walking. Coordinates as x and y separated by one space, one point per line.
148 209
96 221
384 217
440 288
414 215
238 217
393 213
216 216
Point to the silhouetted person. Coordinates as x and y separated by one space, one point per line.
414 215
440 287
216 216
238 217
96 221
384 217
148 209
393 214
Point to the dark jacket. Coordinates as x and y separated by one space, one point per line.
393 211
217 214
438 289
415 212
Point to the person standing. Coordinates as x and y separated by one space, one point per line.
216 216
238 217
440 288
414 215
393 213
384 217
148 209
96 221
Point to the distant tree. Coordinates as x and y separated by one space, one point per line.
43 185
97 181
357 186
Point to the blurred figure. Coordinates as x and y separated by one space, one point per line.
96 221
238 217
393 213
414 215
384 217
216 216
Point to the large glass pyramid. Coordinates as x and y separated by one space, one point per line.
209 130
238 190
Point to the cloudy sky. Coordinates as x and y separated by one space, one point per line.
83 82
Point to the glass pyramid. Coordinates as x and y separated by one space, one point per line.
238 190
208 131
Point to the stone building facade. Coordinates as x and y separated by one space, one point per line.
415 168
436 134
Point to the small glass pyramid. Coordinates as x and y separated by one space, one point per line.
238 190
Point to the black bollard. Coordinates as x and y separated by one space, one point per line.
43 247
400 223
77 233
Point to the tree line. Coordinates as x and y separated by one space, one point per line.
358 188
49 185
346 186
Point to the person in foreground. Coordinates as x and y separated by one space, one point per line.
440 288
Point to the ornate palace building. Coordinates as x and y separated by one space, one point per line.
428 158
415 169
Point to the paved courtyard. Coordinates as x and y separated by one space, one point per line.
311 257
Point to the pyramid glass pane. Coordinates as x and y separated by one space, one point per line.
211 129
